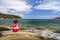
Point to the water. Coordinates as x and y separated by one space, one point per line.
33 22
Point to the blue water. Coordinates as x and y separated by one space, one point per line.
33 22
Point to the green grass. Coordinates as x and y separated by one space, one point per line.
9 16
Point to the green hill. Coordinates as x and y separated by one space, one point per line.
8 16
57 18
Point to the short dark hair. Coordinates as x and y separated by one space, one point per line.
15 21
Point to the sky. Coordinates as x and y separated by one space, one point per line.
31 9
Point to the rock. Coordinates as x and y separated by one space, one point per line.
45 33
23 36
49 34
1 35
4 28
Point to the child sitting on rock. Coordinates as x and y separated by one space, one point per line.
15 26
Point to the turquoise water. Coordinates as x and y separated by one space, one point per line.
33 23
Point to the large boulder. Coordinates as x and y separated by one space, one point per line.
1 35
23 36
44 33
49 34
4 28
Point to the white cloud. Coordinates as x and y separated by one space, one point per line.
49 5
15 6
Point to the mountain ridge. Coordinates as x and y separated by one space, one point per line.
9 16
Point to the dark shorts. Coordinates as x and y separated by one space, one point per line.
15 30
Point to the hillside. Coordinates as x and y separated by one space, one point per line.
57 18
8 16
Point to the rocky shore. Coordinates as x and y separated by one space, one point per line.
28 34
23 36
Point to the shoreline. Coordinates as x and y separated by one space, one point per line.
29 29
24 34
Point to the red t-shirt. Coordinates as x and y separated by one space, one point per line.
15 26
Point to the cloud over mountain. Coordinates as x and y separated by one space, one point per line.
19 7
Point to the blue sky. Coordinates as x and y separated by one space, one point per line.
31 9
